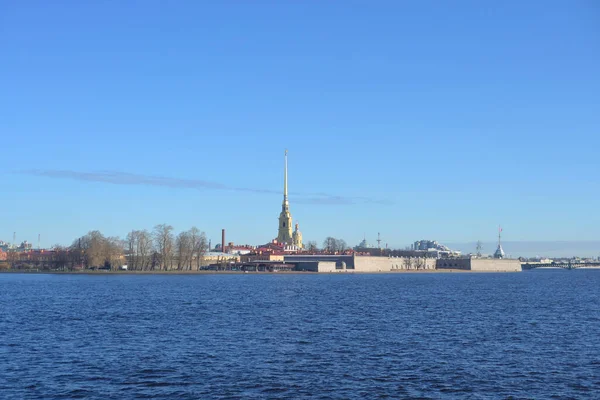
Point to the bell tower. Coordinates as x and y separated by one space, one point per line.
284 235
297 236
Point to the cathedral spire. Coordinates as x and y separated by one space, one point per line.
285 218
285 189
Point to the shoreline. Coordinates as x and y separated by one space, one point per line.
175 272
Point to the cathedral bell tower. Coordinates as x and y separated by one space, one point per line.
284 235
297 236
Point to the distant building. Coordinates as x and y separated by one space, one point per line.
268 256
239 250
428 244
216 257
362 245
434 248
25 246
499 251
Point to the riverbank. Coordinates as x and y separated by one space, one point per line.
204 272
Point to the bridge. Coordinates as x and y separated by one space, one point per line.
563 265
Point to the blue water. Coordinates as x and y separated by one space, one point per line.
534 334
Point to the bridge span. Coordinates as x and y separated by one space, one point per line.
563 265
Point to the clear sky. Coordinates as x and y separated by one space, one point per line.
416 119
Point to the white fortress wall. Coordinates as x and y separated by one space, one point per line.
495 265
328 266
387 264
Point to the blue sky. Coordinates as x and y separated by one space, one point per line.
417 119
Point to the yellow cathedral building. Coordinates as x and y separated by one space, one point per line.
285 235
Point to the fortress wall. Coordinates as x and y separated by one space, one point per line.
387 264
312 266
328 266
302 259
390 264
454 263
431 263
372 264
495 265
412 263
480 264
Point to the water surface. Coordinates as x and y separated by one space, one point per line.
534 334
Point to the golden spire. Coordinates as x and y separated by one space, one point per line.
285 188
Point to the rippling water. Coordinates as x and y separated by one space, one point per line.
529 335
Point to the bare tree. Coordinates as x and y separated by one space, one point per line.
133 257
185 250
330 244
194 235
96 250
114 249
199 246
420 263
407 263
164 239
334 245
144 249
93 249
311 246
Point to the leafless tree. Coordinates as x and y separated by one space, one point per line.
311 246
420 263
133 257
407 263
96 250
164 243
194 235
199 246
92 248
114 249
330 244
185 250
334 245
144 249
139 250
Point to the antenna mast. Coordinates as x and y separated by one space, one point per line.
499 233
285 175
378 240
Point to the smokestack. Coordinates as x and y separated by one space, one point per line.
223 240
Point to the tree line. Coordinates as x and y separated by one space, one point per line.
141 250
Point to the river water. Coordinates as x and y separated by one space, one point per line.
534 334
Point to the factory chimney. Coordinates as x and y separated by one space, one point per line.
223 240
